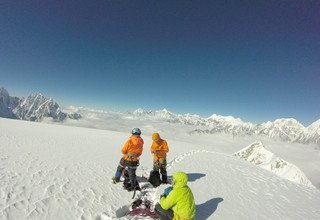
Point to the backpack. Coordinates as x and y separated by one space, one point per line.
142 208
154 178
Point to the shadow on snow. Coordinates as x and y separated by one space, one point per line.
194 176
205 210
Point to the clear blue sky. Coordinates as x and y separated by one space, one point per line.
257 60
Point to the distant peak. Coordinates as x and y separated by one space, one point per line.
225 118
36 94
139 111
316 122
212 116
290 122
315 126
3 91
164 111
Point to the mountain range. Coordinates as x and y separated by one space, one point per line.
285 129
35 107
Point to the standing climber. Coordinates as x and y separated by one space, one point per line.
131 151
160 149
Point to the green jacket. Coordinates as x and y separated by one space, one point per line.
180 199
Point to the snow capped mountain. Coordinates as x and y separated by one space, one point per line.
36 107
289 130
33 108
7 104
168 116
216 123
160 114
141 112
74 115
228 124
314 127
313 133
285 129
257 154
230 119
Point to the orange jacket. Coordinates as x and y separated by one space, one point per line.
132 149
159 149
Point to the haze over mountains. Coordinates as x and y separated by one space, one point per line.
36 107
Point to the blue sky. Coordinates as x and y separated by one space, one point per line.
257 60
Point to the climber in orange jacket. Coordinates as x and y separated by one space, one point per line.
160 149
131 152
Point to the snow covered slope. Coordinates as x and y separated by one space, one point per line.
58 172
257 154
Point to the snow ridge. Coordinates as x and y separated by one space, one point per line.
258 155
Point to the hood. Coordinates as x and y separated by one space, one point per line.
180 179
155 136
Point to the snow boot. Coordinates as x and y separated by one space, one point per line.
164 179
131 186
136 203
115 180
134 187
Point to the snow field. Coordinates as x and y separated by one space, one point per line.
58 172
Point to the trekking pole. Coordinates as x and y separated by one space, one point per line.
134 192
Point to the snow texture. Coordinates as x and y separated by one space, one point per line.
51 171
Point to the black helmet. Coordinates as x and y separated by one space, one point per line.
136 131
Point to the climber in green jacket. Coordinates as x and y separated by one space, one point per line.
177 202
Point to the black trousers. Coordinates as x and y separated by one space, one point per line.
163 214
162 166
131 166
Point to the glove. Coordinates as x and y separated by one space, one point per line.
167 191
162 195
